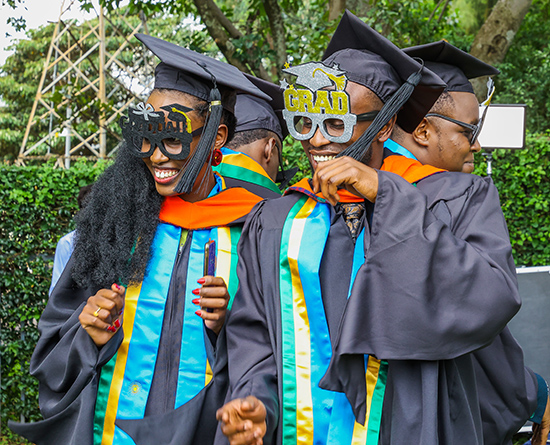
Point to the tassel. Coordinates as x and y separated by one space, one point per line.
359 148
204 147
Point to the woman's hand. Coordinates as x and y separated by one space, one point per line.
101 318
212 298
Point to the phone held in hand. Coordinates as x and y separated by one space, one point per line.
210 260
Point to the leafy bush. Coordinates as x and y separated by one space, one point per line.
524 186
37 205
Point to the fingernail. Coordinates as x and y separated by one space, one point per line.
196 301
201 281
117 324
196 291
198 313
111 329
117 286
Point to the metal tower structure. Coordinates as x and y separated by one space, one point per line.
92 72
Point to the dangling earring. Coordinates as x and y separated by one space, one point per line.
217 157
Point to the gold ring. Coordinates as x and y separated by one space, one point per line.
96 313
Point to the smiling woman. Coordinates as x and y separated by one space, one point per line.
131 327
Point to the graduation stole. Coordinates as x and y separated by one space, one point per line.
126 379
311 415
240 166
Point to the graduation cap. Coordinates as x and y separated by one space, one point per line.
193 73
369 59
187 71
453 65
368 66
253 113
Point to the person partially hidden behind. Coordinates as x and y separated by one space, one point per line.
364 291
254 154
447 138
65 245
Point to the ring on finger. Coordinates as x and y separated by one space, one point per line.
96 313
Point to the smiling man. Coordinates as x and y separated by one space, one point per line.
364 290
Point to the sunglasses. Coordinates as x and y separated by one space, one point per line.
474 129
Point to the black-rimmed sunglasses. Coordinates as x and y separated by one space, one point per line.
475 129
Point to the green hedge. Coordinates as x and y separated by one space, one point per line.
37 205
523 182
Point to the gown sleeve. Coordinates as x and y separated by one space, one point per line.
430 288
66 363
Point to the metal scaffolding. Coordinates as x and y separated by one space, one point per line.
93 71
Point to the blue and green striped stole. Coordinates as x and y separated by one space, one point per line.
126 379
311 415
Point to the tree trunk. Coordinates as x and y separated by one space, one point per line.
277 25
496 35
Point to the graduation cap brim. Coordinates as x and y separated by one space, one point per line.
277 104
191 62
355 34
444 52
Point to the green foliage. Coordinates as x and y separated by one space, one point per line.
521 177
524 77
411 22
37 205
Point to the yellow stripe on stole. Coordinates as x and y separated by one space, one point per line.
223 260
208 374
371 377
130 305
304 402
242 160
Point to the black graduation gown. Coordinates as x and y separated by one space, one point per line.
438 283
67 363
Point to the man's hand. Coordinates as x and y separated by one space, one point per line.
540 431
102 315
356 177
212 299
243 421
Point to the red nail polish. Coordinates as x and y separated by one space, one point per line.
198 313
117 323
201 280
121 312
111 329
196 291
117 286
196 301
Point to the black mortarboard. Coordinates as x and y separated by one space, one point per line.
253 113
185 70
453 65
369 67
198 75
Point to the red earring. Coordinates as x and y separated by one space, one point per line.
217 157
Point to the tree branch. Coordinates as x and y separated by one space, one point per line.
218 32
277 26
